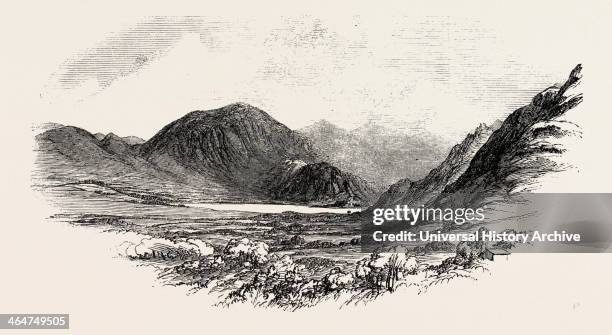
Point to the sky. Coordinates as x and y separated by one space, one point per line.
413 73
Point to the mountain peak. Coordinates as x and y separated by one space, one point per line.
486 129
242 107
115 144
371 127
322 126
576 74
99 136
240 104
481 127
229 114
323 123
112 136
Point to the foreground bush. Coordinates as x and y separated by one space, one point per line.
383 270
246 251
149 248
245 271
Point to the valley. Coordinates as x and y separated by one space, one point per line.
232 202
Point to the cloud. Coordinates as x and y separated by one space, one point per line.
125 52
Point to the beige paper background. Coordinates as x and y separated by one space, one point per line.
59 269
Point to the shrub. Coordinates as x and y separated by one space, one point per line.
246 251
165 248
336 279
383 270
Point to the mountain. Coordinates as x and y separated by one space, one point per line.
456 163
521 151
115 144
376 153
493 162
236 153
320 184
325 135
68 154
74 144
238 144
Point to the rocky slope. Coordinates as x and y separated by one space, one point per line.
491 164
116 145
456 163
319 184
376 153
237 144
521 151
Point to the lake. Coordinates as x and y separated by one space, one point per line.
272 208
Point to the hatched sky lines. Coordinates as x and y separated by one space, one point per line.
412 73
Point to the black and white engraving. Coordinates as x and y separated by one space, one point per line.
228 200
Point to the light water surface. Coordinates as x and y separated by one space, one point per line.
272 208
